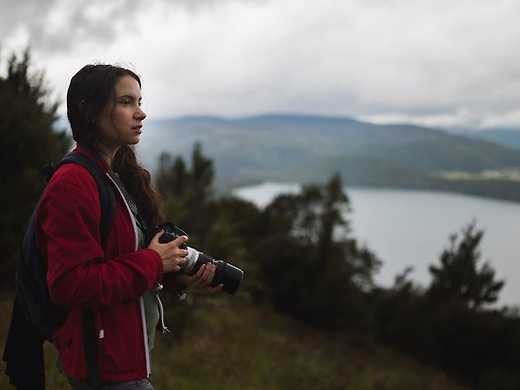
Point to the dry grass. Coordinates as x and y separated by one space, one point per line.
231 344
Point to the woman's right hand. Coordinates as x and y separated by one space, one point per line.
171 255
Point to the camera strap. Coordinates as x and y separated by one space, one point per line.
131 202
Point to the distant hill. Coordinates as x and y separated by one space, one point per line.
305 148
501 136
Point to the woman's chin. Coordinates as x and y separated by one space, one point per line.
133 141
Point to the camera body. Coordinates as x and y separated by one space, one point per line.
225 273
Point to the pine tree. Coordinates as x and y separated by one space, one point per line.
459 277
28 141
318 272
187 190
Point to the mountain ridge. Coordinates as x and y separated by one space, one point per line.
308 148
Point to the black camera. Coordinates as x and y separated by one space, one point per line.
225 273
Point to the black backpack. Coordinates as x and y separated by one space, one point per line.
35 316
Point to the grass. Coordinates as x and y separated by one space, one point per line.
227 343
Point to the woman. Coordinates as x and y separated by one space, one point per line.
116 281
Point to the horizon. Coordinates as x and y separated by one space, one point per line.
62 120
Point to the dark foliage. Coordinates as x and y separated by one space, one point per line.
447 325
315 270
28 142
298 253
459 278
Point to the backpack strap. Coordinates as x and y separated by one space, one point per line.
105 187
107 202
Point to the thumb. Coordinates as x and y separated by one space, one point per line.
155 239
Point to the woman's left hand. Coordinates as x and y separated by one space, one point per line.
201 279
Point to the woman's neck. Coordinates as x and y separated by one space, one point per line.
107 153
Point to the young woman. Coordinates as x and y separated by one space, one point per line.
116 278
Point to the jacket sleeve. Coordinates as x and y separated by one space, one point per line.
78 272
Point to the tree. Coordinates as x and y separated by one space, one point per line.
316 270
226 228
187 190
28 142
459 277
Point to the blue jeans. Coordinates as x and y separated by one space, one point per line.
142 384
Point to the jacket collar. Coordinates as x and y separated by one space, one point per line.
94 156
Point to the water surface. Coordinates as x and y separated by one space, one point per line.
411 228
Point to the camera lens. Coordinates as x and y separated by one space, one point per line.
225 273
228 275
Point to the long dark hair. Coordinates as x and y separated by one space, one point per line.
90 90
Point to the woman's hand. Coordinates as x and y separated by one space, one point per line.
201 279
171 255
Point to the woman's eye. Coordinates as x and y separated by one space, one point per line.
125 101
129 101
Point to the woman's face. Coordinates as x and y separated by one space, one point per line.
121 120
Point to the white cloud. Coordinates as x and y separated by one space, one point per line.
436 63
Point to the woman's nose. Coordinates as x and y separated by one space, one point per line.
140 114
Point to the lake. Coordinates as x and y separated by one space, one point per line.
411 228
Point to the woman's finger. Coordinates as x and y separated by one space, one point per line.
178 241
198 278
181 252
155 238
210 272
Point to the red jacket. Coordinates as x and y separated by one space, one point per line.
81 273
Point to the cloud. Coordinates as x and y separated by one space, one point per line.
437 63
58 25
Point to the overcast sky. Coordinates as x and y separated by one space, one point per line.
438 63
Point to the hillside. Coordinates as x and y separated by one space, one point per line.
301 148
227 343
501 136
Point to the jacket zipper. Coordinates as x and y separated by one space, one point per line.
141 300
